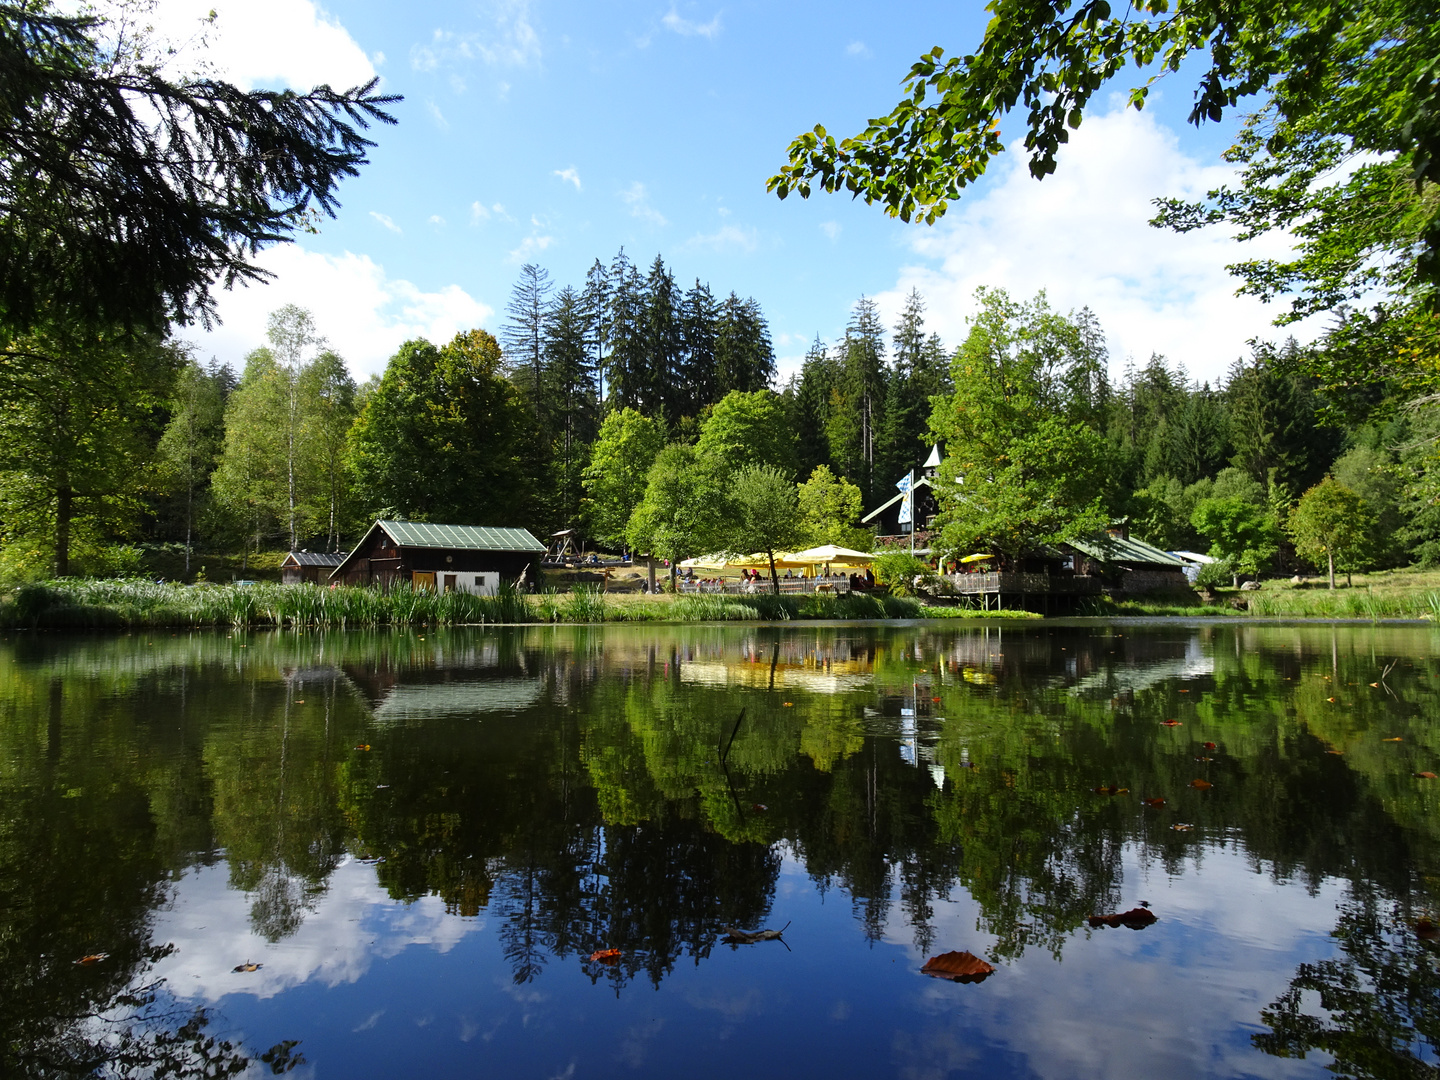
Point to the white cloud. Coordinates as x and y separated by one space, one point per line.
831 229
386 220
265 42
510 43
687 28
436 219
437 116
638 200
530 246
365 314
569 175
479 212
727 238
353 924
1082 235
858 48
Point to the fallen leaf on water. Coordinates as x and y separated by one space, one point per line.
1329 699
247 966
1135 919
1111 789
300 701
1201 785
936 700
1376 685
1395 739
1170 723
788 704
1337 753
93 958
1425 775
1210 746
1184 691
759 807
605 956
1156 802
1204 759
958 967
363 746
1180 827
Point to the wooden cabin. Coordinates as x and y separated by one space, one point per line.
313 566
470 558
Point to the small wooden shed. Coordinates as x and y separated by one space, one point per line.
311 566
470 558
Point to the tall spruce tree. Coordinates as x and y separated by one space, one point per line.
744 356
664 341
524 334
808 397
595 304
190 446
571 412
858 396
699 321
628 365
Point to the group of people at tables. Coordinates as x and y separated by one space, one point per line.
753 580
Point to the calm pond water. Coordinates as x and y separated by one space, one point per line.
398 854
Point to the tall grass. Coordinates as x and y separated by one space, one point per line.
98 604
85 604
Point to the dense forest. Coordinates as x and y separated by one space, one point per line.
649 417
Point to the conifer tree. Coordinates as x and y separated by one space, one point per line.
524 333
744 356
595 304
571 413
664 342
628 362
699 325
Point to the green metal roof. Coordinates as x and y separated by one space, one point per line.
423 534
1118 550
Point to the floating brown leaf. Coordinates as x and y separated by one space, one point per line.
1425 775
788 704
936 700
1210 746
1157 802
1170 723
1201 785
1181 827
961 967
1110 789
1395 739
1329 699
363 746
606 956
93 958
1135 919
1204 759
247 966
1337 753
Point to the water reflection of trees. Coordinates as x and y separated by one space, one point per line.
605 807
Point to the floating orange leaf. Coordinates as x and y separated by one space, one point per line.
1110 789
958 967
788 704
1181 827
93 958
1169 723
1337 753
1425 775
1184 691
1204 759
936 700
606 956
363 746
1156 802
1201 785
1329 699
1395 739
1376 685
247 966
1135 919
1210 746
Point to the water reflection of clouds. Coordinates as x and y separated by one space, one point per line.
353 924
1179 998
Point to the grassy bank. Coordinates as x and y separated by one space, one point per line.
126 604
1388 594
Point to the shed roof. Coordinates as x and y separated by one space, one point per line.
424 534
1118 549
313 558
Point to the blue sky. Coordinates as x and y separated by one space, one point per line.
557 132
